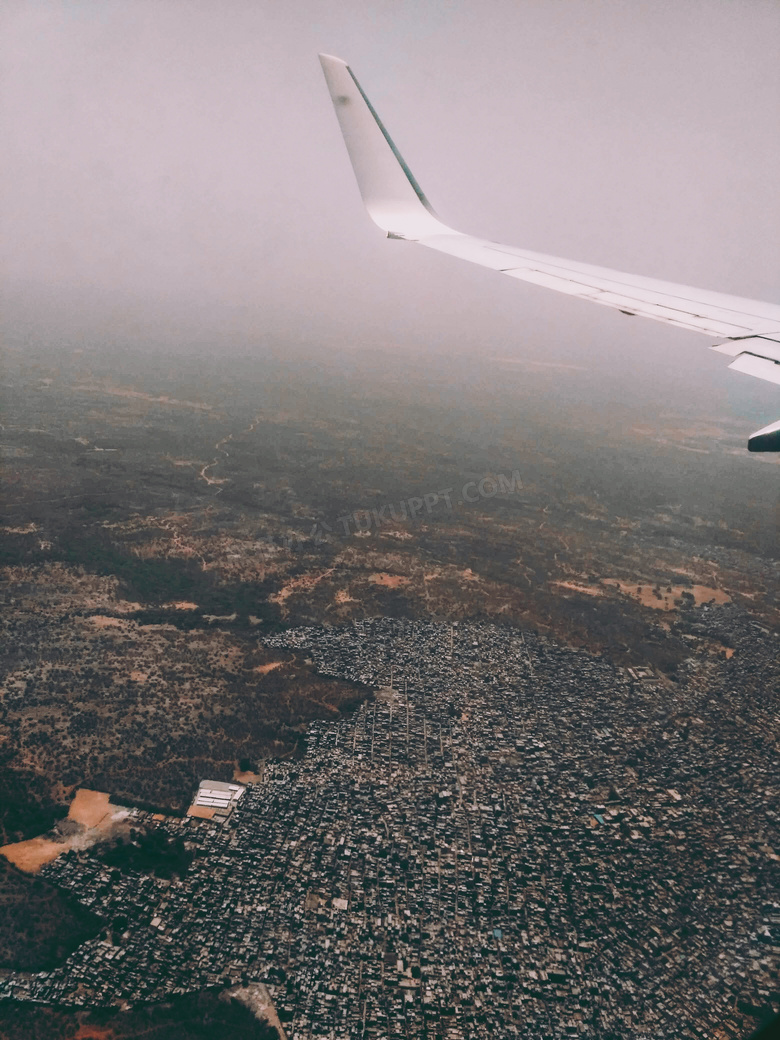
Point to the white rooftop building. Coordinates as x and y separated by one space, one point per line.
215 794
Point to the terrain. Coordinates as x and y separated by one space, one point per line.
160 518
39 925
210 1016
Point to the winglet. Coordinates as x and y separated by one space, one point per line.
393 198
766 439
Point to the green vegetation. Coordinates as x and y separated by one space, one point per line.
207 1015
154 581
150 852
26 805
39 925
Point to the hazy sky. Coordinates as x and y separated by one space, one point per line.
174 170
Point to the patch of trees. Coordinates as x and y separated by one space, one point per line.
139 803
39 925
149 852
208 1015
154 581
18 549
26 806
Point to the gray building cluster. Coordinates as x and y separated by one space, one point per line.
512 839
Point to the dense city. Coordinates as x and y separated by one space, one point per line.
511 838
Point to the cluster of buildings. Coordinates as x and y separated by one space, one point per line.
511 839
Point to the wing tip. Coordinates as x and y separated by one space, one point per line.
331 59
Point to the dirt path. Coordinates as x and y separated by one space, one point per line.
220 450
210 465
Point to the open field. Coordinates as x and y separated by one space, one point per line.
95 818
158 525
32 854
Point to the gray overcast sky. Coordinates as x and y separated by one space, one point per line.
173 168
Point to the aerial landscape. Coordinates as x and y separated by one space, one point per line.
377 672
472 732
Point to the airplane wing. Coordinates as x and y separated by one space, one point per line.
750 329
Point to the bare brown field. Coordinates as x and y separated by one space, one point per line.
101 621
389 581
98 818
201 812
573 586
299 585
32 854
87 1032
90 807
264 669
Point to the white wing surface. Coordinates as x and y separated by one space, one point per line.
395 202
